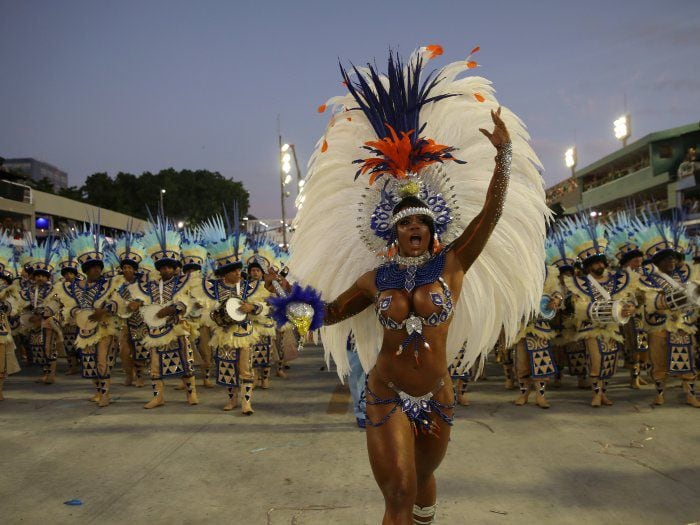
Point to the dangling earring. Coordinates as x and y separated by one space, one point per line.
436 244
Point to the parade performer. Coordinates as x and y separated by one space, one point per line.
693 260
670 304
264 327
134 354
164 299
194 257
434 218
280 266
8 299
534 356
40 308
91 303
622 231
462 375
69 270
566 350
229 307
602 299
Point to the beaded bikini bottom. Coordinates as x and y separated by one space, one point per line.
418 409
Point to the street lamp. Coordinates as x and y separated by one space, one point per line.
622 129
570 159
162 193
285 168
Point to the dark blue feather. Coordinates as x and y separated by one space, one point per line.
298 294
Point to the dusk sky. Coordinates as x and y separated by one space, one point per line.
144 85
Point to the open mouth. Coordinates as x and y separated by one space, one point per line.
415 241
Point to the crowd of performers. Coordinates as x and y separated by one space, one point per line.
434 248
169 303
621 289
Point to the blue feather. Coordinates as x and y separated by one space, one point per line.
298 294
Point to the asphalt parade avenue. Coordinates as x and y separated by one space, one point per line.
301 459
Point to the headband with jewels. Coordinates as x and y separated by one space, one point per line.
193 250
622 231
224 240
585 237
161 241
129 248
404 161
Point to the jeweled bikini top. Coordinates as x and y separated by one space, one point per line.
391 277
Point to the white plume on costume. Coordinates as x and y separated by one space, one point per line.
505 283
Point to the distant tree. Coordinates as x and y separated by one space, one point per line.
44 185
190 196
72 192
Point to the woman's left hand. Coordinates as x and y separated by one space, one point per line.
500 136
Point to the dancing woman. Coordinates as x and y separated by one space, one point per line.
424 213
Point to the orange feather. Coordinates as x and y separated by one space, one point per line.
433 50
479 97
321 108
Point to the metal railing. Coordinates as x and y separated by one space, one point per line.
16 192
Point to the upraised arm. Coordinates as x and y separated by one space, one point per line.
468 246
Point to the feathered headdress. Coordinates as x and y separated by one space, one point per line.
7 255
161 241
88 244
41 256
558 254
224 240
129 248
622 231
657 236
433 122
405 161
194 253
586 238
112 263
264 251
66 257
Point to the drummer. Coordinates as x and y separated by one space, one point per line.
163 300
231 308
91 303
